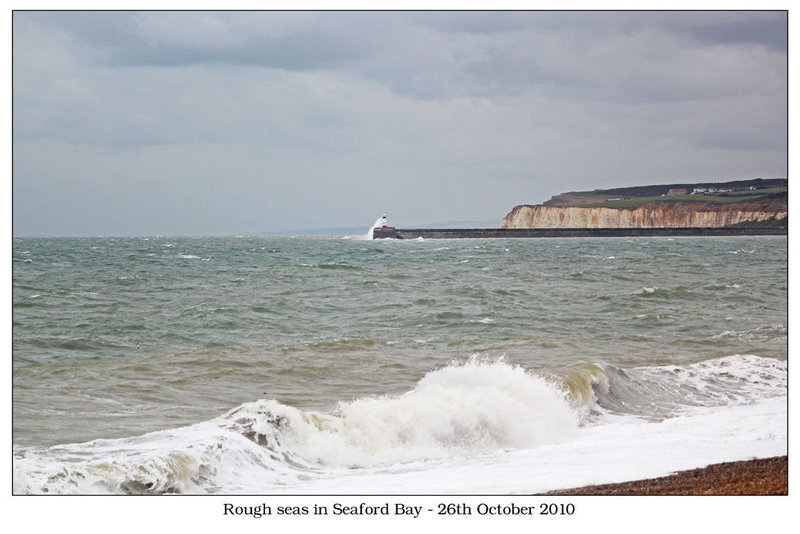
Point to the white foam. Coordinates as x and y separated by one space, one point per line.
727 381
460 410
473 427
471 407
763 332
369 234
619 450
192 459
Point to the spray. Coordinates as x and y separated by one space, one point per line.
376 224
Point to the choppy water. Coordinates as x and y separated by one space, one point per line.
339 364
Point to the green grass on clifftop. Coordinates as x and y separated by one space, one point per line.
631 203
632 197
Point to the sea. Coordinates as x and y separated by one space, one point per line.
342 365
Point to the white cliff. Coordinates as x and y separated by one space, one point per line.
651 215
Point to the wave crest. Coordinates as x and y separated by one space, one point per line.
463 408
469 407
657 392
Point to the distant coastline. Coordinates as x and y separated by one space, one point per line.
703 204
744 207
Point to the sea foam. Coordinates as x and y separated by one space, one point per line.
463 409
471 407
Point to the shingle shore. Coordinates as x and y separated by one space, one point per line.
767 476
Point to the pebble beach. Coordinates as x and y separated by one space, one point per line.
766 476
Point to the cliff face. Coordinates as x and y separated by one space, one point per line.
651 215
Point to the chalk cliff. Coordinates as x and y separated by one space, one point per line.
651 215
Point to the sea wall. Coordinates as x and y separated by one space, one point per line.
651 215
488 233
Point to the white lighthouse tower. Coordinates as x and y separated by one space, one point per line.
384 224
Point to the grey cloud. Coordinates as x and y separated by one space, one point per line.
226 122
170 39
436 54
479 22
768 28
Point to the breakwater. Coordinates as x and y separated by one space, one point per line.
482 233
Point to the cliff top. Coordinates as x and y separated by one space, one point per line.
757 191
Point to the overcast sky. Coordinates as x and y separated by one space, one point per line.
224 123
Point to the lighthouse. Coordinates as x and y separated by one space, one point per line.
383 221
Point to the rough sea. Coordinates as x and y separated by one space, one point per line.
343 365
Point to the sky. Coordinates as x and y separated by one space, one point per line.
229 123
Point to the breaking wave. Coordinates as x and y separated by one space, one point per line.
658 392
465 408
459 411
